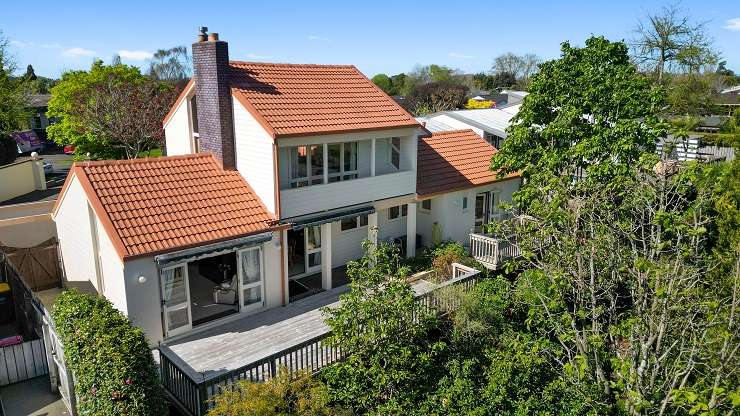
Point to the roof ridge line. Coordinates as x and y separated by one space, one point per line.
138 160
290 64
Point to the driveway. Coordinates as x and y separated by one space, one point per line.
33 398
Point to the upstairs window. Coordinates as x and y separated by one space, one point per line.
306 165
426 205
342 163
194 116
396 153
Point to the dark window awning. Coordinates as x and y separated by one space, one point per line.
328 216
215 249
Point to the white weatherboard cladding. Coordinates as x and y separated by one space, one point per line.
346 245
254 156
447 210
112 269
178 138
75 235
390 229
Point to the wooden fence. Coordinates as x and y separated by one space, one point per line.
37 266
193 395
22 361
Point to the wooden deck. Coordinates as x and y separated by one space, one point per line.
195 368
227 347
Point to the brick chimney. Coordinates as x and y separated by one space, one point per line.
213 97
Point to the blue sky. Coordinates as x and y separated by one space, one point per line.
375 36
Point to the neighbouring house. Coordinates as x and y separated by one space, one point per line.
458 191
728 100
38 104
224 251
488 123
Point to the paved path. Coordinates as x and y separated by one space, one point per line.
32 398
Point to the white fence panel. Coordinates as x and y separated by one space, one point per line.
22 362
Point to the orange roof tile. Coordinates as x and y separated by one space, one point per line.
297 100
156 205
453 160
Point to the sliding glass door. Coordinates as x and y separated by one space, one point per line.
176 300
251 282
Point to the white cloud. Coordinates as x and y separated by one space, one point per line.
460 55
134 55
316 37
77 52
733 24
19 44
255 56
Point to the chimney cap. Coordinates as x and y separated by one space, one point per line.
213 36
202 33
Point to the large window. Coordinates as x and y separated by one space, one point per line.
342 161
306 165
494 140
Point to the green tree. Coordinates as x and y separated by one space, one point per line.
384 83
601 127
110 111
389 361
398 82
13 94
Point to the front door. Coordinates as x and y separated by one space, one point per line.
486 209
176 300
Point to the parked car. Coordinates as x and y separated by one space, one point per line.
69 149
48 167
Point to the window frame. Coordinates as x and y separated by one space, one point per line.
358 223
392 147
402 211
424 202
310 179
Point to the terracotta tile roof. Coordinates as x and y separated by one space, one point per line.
453 160
296 100
163 204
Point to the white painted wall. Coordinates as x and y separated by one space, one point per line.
447 210
20 178
114 288
390 229
346 245
75 235
178 137
318 198
254 156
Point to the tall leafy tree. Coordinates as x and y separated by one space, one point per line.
389 361
110 111
13 93
384 83
171 64
587 111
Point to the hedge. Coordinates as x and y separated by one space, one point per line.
113 365
8 149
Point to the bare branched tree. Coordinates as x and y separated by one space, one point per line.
669 39
128 115
621 279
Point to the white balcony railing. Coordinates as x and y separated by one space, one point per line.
492 252
317 198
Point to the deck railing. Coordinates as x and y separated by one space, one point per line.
491 251
193 393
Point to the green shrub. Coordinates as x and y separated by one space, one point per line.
8 149
444 255
110 358
284 395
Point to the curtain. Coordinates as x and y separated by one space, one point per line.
251 266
